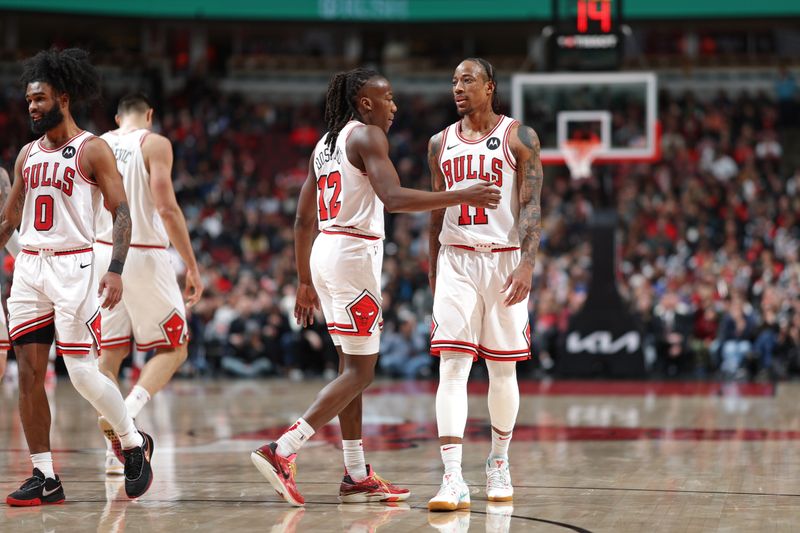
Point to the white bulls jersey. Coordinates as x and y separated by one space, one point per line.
147 227
463 162
60 201
345 198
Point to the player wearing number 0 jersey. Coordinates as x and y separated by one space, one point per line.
481 272
59 182
350 180
152 308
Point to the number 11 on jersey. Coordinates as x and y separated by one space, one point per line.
466 219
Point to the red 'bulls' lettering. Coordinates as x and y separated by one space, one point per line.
39 175
463 167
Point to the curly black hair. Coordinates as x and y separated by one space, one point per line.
66 71
340 102
489 69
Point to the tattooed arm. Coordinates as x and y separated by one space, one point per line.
437 215
97 160
525 147
13 200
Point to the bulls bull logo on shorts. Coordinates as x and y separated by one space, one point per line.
365 312
174 328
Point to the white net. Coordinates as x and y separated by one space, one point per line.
579 154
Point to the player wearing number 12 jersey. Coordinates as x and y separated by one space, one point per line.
350 181
481 271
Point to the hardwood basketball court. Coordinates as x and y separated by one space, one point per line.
586 456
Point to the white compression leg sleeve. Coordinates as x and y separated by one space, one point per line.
503 394
451 396
102 394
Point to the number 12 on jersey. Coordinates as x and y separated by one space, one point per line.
325 182
466 219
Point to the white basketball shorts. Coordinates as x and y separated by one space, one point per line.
346 272
152 308
56 287
469 315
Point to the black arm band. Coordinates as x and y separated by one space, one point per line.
116 266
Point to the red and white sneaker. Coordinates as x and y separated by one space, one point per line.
279 471
372 488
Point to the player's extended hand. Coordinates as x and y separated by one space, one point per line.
305 303
518 284
483 194
111 284
194 287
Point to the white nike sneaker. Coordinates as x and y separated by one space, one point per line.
114 466
452 495
498 480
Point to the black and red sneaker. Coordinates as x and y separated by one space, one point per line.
37 491
279 471
138 473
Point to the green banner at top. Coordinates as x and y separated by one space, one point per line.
397 10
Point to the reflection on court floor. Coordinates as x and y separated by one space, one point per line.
585 456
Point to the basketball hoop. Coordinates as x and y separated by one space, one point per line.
579 154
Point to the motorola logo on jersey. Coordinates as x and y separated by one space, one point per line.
68 152
493 143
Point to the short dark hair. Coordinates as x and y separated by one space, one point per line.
489 70
66 71
134 103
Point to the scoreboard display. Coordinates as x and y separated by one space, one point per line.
585 35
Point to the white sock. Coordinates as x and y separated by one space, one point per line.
44 462
137 398
500 444
354 459
104 396
451 457
130 437
294 438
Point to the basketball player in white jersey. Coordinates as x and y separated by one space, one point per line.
350 181
481 271
58 182
152 308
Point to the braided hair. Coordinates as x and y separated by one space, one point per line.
66 71
340 100
489 69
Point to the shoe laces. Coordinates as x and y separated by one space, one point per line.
497 477
134 459
452 486
32 482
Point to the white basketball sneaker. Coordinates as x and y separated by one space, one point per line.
452 495
114 466
498 480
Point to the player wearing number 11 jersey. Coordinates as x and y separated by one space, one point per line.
350 181
481 271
